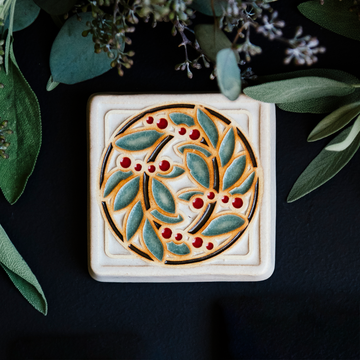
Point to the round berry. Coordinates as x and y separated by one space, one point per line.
164 165
197 242
150 120
162 123
125 162
225 199
210 195
178 237
194 134
237 203
210 246
182 131
151 168
198 203
138 167
166 233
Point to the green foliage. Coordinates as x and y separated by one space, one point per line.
72 57
325 166
333 15
19 105
56 7
228 74
20 274
206 7
26 11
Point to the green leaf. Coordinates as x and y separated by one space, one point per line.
26 11
18 105
56 7
166 219
209 127
51 84
298 89
180 118
234 172
227 147
205 7
223 224
20 274
228 74
325 166
139 140
114 180
152 241
335 121
178 249
72 56
318 105
189 194
163 196
195 147
245 186
212 40
333 15
134 220
175 172
198 169
355 130
127 194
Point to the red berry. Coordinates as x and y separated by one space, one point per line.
209 246
164 165
125 162
237 203
210 195
197 242
151 168
194 134
150 120
166 233
198 203
182 131
225 199
162 123
138 167
178 237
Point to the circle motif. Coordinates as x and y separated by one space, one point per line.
151 208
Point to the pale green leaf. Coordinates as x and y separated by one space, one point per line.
20 274
333 15
51 84
18 105
298 89
152 241
355 130
325 166
223 224
26 11
228 74
335 121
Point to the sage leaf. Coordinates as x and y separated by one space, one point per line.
333 15
298 89
355 130
324 167
26 11
228 74
20 274
72 56
205 7
51 84
212 40
18 105
56 7
335 121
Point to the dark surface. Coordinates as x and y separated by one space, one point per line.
308 309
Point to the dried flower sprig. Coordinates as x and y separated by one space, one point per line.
3 143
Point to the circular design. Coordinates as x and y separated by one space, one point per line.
186 198
125 162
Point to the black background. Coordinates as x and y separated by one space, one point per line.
308 309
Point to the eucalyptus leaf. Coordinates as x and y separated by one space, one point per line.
212 40
26 11
205 7
335 121
56 7
298 89
20 274
325 166
355 130
18 105
51 84
72 56
228 74
333 15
